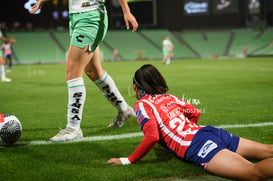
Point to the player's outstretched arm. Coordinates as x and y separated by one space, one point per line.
37 6
151 138
12 40
4 38
128 17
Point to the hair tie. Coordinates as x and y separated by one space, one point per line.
138 85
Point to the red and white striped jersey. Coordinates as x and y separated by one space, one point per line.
168 120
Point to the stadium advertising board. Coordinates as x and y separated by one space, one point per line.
196 7
224 6
206 7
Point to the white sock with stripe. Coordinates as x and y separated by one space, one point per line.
111 92
76 100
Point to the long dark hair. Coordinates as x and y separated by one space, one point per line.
147 78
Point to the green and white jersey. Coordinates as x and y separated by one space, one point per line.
79 6
167 45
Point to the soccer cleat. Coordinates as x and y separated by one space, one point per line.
121 118
5 80
67 134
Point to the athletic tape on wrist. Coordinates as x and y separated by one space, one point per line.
125 161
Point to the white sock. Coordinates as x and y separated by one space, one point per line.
111 92
168 61
76 100
2 70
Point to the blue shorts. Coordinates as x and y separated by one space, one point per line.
207 142
8 56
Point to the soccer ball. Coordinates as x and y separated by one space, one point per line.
10 129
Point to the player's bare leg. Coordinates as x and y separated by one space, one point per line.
78 58
106 84
234 165
254 150
2 71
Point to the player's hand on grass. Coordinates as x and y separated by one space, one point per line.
114 161
119 161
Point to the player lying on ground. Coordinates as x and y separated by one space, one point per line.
172 122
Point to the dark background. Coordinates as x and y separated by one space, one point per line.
167 14
172 16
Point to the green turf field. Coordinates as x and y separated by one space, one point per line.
227 91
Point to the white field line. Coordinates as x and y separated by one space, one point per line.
137 134
90 139
246 125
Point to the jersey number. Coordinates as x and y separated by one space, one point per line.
179 124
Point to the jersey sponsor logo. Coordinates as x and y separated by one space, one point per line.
165 107
163 98
174 113
207 148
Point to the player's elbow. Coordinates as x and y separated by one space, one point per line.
154 139
197 116
198 113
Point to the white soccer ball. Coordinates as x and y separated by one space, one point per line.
10 129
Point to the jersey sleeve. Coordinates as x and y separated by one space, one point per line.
143 113
149 127
151 137
192 113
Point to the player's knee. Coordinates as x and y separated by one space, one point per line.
270 150
90 74
254 175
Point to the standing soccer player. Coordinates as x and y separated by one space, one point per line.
6 46
2 63
88 26
167 49
172 122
